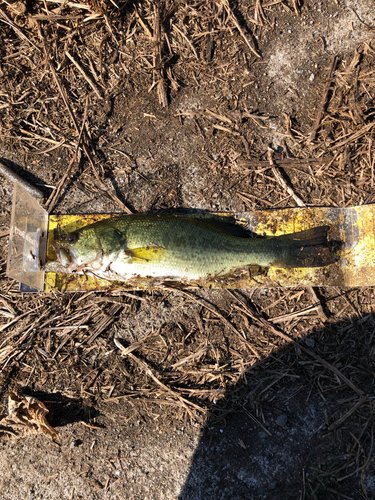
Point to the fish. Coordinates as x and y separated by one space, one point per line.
188 248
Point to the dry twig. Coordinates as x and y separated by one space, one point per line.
280 179
323 103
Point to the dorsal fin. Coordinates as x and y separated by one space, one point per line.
221 226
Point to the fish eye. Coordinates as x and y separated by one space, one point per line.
72 237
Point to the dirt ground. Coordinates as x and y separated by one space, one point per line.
245 394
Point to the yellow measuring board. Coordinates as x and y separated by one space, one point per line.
353 228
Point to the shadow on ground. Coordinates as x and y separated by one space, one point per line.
64 410
292 427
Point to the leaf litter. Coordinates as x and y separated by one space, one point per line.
27 415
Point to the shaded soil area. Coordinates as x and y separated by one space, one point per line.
121 106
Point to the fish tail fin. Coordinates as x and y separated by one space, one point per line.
309 248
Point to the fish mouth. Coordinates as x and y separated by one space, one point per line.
64 255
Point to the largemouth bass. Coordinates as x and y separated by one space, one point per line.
181 248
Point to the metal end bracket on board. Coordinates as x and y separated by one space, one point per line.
27 241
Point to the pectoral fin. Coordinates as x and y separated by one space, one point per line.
146 254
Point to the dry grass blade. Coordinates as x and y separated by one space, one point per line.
353 409
266 324
236 23
66 102
195 355
221 118
5 19
254 419
246 197
316 300
48 150
295 314
297 7
105 322
283 182
37 137
79 132
323 103
356 135
127 350
55 195
15 320
188 41
58 84
226 129
89 80
217 313
158 68
187 405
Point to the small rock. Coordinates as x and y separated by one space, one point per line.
282 420
310 342
272 485
312 77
